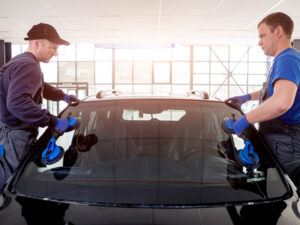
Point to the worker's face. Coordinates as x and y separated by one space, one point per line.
46 50
268 40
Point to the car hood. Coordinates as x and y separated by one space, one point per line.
23 210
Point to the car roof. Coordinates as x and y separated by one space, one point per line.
118 95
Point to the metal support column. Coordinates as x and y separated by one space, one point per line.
7 51
2 53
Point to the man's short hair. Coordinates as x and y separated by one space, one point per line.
279 19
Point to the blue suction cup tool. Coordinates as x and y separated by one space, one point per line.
52 153
227 125
2 150
247 157
73 123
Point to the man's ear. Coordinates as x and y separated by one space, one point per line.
36 44
279 31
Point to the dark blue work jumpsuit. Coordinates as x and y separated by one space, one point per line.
22 89
282 138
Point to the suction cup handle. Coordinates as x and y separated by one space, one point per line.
247 156
227 125
250 150
73 123
52 153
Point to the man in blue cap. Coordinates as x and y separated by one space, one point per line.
279 111
22 89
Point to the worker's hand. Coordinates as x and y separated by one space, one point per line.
61 125
240 125
71 98
239 100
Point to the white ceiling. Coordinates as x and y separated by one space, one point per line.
144 21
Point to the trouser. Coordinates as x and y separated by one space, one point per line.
284 140
16 141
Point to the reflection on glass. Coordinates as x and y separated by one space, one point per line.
162 73
182 146
49 71
66 71
123 72
142 72
85 52
85 72
103 72
166 115
181 72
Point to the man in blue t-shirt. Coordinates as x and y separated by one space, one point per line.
22 89
279 111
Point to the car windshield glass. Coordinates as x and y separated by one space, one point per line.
152 152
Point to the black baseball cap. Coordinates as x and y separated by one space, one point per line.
45 31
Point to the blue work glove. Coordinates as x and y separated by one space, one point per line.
240 125
61 125
2 150
240 99
71 98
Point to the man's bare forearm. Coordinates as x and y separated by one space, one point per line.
255 95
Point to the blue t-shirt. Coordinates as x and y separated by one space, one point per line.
286 65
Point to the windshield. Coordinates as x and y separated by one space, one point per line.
151 152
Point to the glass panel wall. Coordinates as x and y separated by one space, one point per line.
163 70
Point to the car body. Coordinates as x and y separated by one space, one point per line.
150 159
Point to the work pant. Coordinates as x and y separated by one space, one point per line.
284 140
16 141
